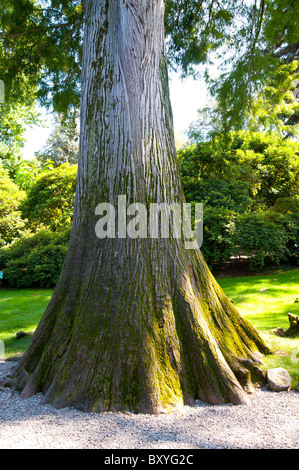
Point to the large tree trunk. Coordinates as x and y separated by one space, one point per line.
134 324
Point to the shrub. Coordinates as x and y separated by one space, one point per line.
218 236
51 198
40 268
261 236
11 223
264 235
249 187
35 260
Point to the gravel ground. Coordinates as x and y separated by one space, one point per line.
270 422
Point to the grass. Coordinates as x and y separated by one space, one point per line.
264 299
20 310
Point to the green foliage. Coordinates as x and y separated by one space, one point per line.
41 41
264 235
11 223
276 108
287 205
249 187
215 175
41 268
14 120
195 29
218 238
19 108
27 171
273 108
274 162
35 260
258 69
50 198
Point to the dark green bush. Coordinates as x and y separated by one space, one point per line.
249 188
261 236
218 235
264 236
36 260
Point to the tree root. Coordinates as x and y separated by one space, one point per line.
292 331
248 373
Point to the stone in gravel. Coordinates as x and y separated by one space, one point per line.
279 379
297 387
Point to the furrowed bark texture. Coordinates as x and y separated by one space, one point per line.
133 324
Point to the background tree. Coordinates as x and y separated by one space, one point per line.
27 171
41 45
273 108
63 143
264 235
270 38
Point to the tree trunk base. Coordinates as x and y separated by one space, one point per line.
135 323
187 343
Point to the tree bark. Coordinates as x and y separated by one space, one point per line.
133 324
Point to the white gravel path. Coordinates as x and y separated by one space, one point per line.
270 422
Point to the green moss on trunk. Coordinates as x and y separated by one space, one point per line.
133 324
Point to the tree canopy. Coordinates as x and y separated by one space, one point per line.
62 145
41 41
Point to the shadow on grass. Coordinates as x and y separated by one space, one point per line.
20 309
15 348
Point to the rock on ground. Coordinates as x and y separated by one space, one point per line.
279 379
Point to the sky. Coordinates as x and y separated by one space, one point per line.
187 96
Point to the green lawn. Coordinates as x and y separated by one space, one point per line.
263 299
20 310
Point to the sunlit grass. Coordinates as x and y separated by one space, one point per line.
20 310
265 300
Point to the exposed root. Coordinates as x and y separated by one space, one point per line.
248 373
